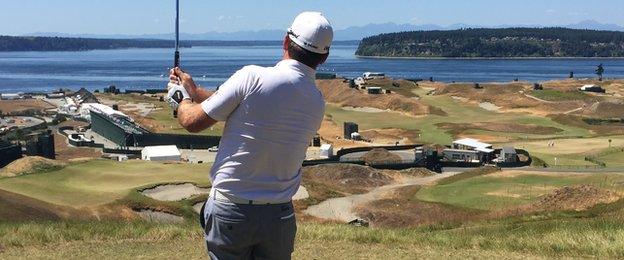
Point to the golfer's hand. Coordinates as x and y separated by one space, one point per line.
178 76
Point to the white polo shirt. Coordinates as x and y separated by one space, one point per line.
271 115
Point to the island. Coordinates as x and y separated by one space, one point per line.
28 43
495 43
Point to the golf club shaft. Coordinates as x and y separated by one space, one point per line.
176 59
176 56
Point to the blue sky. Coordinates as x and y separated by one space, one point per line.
156 16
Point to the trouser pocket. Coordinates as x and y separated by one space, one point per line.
287 229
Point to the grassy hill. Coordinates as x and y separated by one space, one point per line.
100 182
595 232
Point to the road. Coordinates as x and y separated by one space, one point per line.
342 209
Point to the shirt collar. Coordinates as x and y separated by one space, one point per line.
299 67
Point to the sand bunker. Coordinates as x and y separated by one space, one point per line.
302 193
158 216
197 207
174 192
489 106
365 109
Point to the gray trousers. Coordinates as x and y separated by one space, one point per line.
237 231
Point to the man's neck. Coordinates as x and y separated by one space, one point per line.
287 57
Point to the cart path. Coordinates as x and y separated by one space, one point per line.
539 99
342 208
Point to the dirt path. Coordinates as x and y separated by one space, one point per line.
342 208
539 99
573 110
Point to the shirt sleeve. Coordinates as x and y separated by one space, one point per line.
225 100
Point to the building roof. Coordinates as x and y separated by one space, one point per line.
106 110
161 151
509 149
472 143
485 150
459 151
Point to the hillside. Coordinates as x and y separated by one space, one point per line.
14 43
507 42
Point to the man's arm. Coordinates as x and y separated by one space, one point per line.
207 108
192 117
202 94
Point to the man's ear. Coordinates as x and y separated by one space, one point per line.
324 58
286 43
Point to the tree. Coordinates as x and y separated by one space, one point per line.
600 71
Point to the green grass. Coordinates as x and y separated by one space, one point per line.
163 116
556 95
457 112
467 175
613 157
101 181
601 237
492 192
572 152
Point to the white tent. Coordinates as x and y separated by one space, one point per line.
327 150
161 153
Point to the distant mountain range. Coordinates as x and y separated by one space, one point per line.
347 34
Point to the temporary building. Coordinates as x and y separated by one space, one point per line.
472 144
161 153
327 150
7 96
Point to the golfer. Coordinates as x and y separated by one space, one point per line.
270 115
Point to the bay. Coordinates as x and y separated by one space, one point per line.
212 65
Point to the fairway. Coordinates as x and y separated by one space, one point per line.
572 151
102 181
506 189
571 146
456 112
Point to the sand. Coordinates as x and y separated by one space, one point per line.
174 192
489 106
365 109
302 193
343 208
158 216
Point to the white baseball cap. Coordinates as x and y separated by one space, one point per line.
312 31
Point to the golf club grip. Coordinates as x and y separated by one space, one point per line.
177 96
176 59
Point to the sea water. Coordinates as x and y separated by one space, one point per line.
211 66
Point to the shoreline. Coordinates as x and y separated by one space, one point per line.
485 58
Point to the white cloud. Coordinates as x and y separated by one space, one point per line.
551 11
229 17
577 14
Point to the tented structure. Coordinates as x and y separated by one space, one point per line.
161 153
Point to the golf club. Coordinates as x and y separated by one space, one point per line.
177 96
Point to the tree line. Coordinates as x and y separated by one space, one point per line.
18 43
506 42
